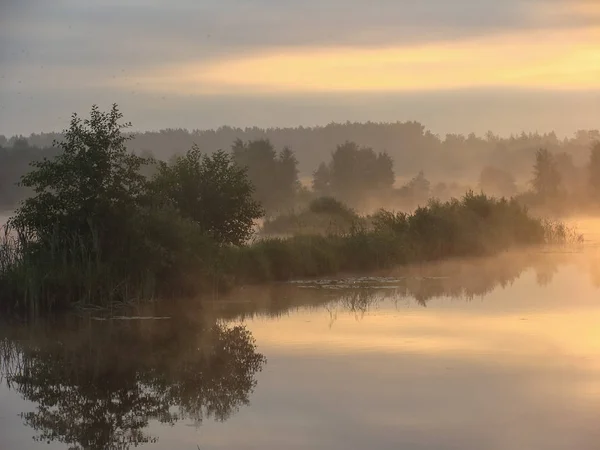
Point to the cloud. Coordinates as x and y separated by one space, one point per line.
65 53
137 34
550 59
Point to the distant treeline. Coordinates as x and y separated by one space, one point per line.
410 144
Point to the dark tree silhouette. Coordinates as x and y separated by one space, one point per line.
355 173
98 388
94 181
275 177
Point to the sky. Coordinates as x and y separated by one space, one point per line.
454 65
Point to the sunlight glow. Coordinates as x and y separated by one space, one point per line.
547 59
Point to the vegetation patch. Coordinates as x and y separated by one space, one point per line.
100 228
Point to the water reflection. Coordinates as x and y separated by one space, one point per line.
102 383
464 279
97 385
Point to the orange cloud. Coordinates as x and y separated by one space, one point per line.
552 59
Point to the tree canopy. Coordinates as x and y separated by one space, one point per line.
212 191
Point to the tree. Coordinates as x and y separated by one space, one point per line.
101 388
286 177
91 185
594 171
546 177
355 172
275 177
212 191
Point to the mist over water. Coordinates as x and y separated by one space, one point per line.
303 225
470 354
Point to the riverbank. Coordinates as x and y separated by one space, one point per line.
67 274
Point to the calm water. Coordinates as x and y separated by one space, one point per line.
500 353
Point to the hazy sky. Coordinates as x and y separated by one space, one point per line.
455 65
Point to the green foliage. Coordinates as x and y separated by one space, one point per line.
157 254
101 229
212 191
91 184
81 235
388 221
475 225
96 232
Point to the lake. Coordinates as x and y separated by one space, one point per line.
495 353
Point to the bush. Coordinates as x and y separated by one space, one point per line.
97 231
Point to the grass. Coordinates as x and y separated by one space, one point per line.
66 272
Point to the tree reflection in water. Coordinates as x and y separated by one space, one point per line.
98 386
460 279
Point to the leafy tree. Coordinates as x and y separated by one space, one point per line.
92 184
546 177
212 191
594 171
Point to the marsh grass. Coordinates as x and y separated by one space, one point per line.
68 271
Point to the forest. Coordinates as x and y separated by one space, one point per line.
401 165
412 146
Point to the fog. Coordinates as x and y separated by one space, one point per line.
411 164
323 224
